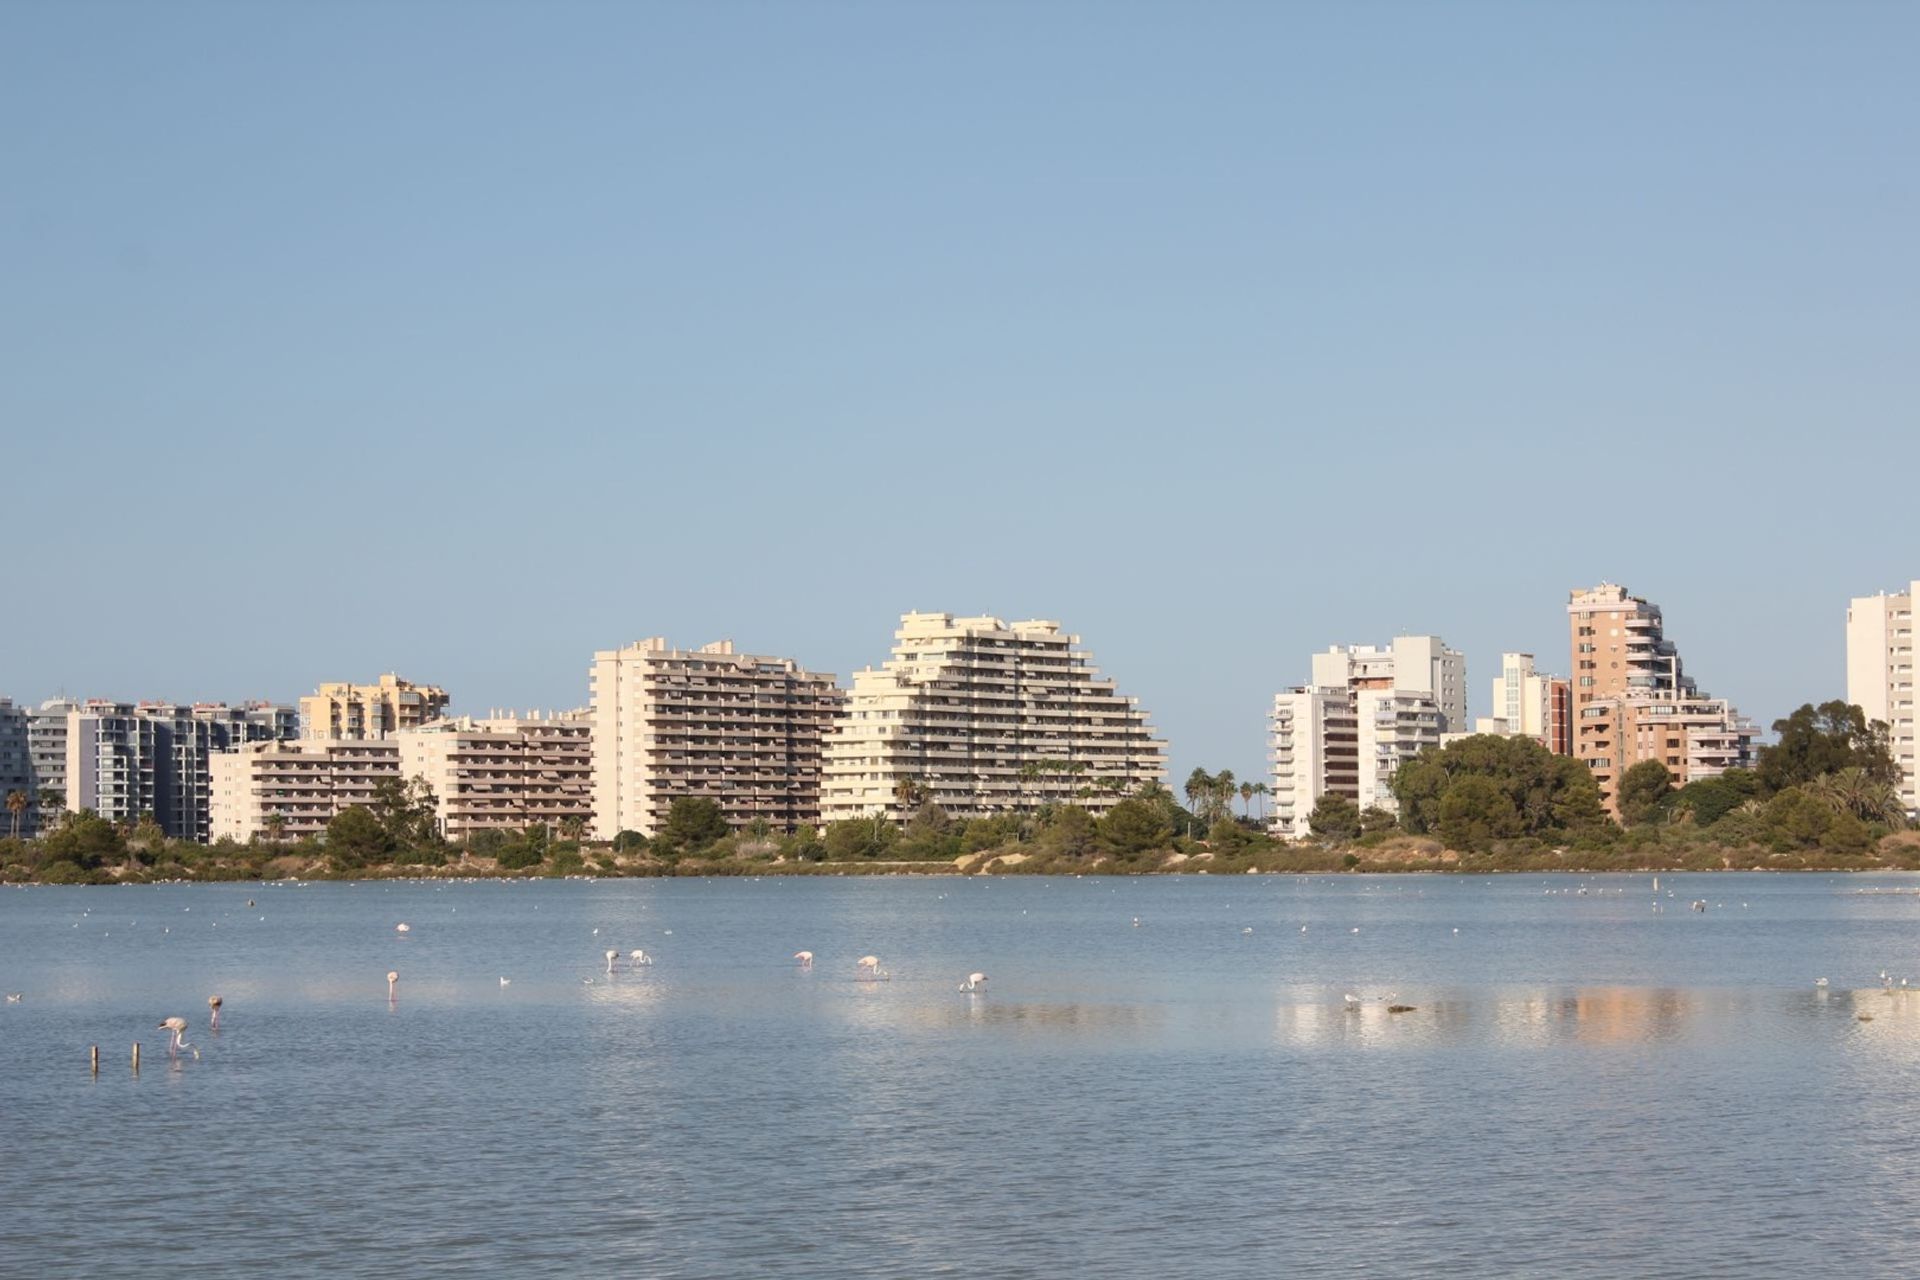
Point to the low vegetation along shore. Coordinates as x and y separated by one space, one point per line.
1822 798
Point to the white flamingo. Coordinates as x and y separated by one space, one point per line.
214 1003
975 982
805 958
177 1028
403 927
393 982
611 957
639 956
869 968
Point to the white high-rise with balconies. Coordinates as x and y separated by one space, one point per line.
741 730
1880 676
981 716
504 772
1368 710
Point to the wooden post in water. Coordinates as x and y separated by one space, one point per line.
136 1057
93 1058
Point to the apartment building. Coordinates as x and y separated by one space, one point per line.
1527 704
1367 710
1633 701
1420 665
16 767
291 789
47 759
356 712
503 772
981 716
123 760
743 730
1880 676
1315 749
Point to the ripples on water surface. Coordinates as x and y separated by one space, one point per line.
1583 1088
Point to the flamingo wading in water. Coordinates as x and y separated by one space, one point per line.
177 1028
639 956
869 969
805 958
214 1003
975 982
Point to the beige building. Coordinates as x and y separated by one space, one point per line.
981 717
503 772
356 712
742 730
1633 701
1880 676
303 782
1316 749
1368 710
1527 704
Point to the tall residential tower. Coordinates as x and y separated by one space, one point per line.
981 716
1880 676
741 730
1367 711
1633 701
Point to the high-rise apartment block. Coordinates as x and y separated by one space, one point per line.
1880 676
356 712
503 772
124 760
290 790
742 730
1529 705
1633 701
979 717
16 767
47 759
1368 710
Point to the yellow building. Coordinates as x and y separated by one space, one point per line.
356 712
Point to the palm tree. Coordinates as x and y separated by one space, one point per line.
1853 790
1246 800
1199 784
1222 798
53 803
1262 790
275 825
572 829
910 794
16 805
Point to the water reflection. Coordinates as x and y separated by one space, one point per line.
1593 1017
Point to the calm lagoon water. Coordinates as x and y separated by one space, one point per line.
1585 1087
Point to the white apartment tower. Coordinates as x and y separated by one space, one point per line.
1368 710
1880 675
504 772
981 716
741 730
291 790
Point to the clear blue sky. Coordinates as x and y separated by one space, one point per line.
465 339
